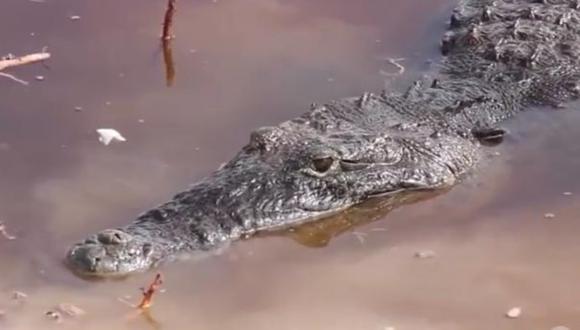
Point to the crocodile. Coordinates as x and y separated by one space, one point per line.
499 57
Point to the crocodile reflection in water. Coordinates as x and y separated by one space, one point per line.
318 234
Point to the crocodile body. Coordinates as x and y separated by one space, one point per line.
500 57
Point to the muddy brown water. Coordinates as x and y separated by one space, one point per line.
240 65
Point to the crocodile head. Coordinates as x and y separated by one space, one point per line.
301 170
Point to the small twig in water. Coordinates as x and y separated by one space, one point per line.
168 20
12 77
126 302
147 300
5 233
394 62
361 237
143 309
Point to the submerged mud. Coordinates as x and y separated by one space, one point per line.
240 65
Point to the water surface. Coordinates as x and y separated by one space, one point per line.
241 65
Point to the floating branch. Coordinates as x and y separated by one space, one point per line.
11 61
26 59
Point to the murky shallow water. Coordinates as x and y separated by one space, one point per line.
240 65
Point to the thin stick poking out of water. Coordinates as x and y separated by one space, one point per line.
168 20
166 38
168 60
149 292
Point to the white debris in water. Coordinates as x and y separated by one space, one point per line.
360 236
74 17
78 109
4 232
39 78
514 313
70 310
549 216
107 135
54 315
567 193
425 254
126 300
19 296
560 327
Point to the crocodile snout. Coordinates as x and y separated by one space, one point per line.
110 252
87 256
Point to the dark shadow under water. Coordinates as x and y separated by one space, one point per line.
319 233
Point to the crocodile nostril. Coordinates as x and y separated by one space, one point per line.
112 236
97 260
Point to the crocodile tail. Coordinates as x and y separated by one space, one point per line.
532 43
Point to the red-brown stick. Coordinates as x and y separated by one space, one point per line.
168 21
147 300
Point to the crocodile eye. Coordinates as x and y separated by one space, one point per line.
322 165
